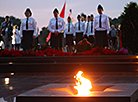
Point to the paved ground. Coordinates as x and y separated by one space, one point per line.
22 82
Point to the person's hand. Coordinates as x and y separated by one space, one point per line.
56 33
34 37
21 38
107 34
93 36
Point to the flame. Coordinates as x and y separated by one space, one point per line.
83 85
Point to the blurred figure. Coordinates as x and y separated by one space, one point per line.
84 19
56 26
90 30
28 31
119 36
87 27
16 38
6 28
101 28
113 37
79 29
69 33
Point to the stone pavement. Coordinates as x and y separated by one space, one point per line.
22 82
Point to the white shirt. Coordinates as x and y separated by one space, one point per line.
72 29
16 37
104 23
82 27
31 25
90 26
52 25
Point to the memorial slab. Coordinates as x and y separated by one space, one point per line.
67 93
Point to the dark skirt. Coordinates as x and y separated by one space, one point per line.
56 41
27 41
91 39
101 39
69 39
79 37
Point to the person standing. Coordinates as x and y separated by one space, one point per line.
119 36
6 28
69 34
28 31
79 29
56 26
90 30
16 39
113 34
101 28
84 19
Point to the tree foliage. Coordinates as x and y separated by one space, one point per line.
43 35
129 27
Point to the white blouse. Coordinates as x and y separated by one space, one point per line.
71 31
16 37
82 27
104 23
31 25
90 26
52 25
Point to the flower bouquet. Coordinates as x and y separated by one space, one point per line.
83 45
40 47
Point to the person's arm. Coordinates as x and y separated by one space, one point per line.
34 27
21 30
94 28
65 33
107 25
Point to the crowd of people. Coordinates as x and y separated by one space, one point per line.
96 29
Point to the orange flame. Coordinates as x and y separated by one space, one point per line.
83 85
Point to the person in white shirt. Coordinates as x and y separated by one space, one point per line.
90 33
56 26
79 29
84 19
69 33
89 29
101 28
28 31
16 39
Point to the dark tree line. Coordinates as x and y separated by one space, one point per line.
129 27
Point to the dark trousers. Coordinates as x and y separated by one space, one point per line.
101 39
113 40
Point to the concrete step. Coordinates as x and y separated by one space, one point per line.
69 64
